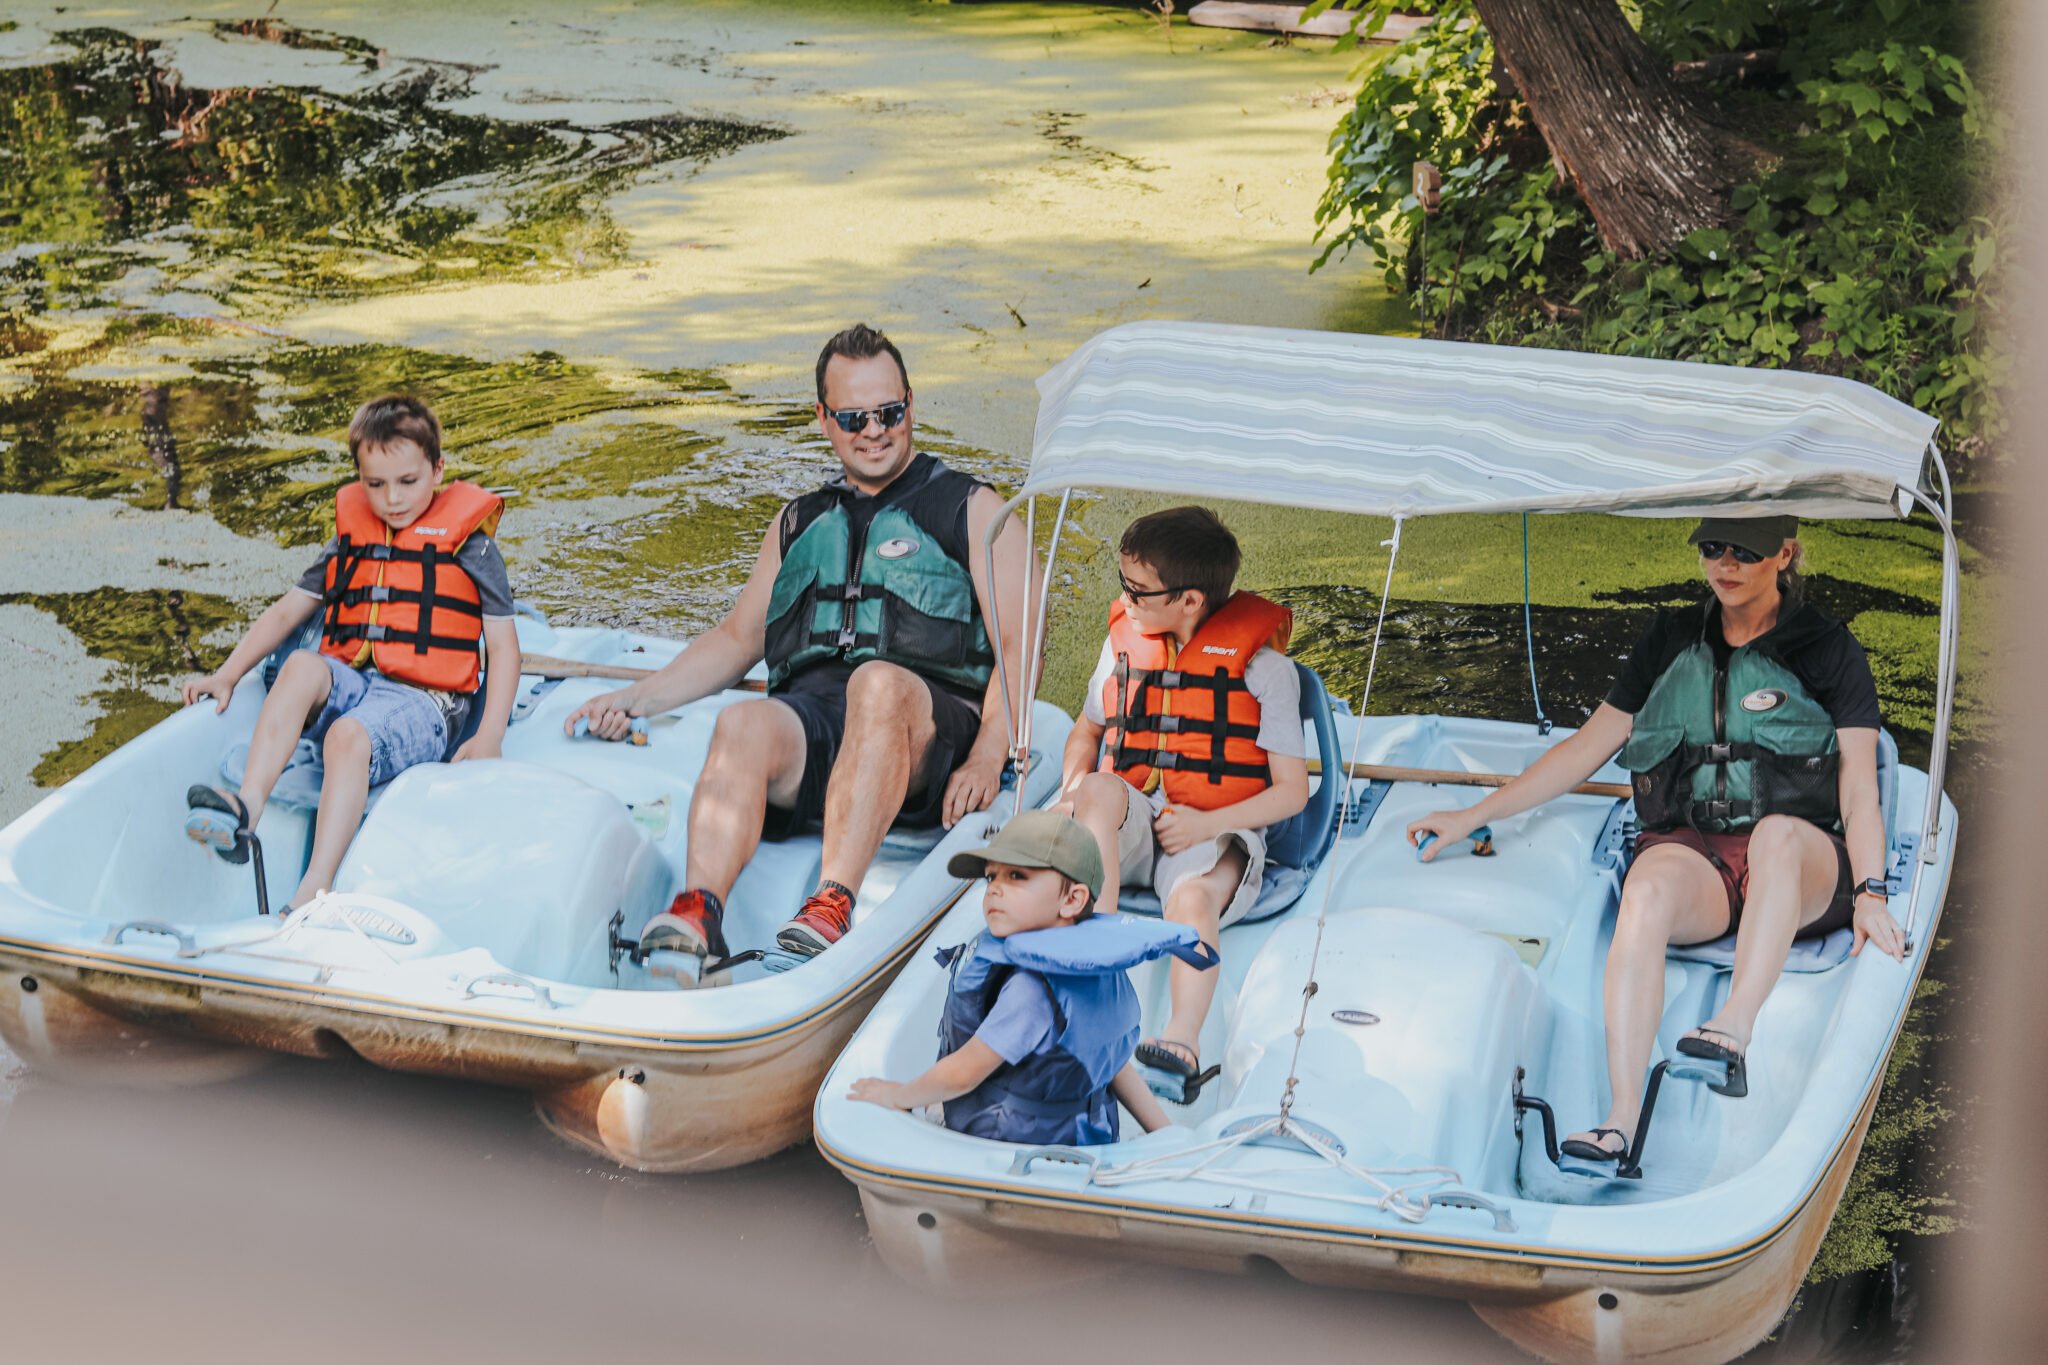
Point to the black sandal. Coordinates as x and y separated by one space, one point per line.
1593 1151
218 820
1174 1078
1696 1044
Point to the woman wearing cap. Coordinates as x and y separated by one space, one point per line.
1750 722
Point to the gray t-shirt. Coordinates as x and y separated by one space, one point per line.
478 557
1269 676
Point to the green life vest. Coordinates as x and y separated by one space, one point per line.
891 592
1717 749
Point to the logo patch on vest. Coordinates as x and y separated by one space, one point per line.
1765 699
900 548
1219 649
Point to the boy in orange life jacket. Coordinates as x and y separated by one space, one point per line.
410 580
1197 714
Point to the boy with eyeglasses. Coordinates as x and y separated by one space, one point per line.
1188 747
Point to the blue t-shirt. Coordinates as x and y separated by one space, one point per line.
1021 1021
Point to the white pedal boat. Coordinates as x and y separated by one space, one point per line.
1439 1006
469 934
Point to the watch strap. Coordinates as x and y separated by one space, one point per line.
1874 886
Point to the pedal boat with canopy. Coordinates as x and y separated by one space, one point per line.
1394 1046
481 926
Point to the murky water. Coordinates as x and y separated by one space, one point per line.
606 248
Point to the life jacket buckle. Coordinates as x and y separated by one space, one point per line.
380 593
1167 725
1167 677
1719 810
1720 753
374 632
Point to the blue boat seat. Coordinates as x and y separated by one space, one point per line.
1296 846
1816 954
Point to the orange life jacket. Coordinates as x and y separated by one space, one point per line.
1183 719
397 600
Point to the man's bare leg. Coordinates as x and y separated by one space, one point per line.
756 760
889 734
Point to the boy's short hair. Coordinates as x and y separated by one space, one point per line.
860 342
1188 547
394 417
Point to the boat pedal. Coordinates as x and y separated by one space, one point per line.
1177 1089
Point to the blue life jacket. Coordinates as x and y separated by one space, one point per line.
1060 1094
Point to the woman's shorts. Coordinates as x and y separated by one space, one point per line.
1733 851
1142 863
407 725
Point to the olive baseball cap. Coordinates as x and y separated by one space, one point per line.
1038 838
1759 535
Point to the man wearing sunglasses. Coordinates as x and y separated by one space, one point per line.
870 602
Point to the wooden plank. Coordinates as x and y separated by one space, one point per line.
544 666
1269 18
1458 777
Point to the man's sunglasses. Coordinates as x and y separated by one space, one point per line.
1138 595
1713 549
853 421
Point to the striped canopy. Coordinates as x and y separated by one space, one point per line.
1393 426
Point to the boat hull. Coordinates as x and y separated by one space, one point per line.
645 1106
957 1241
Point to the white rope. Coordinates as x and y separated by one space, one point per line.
1409 1201
1309 990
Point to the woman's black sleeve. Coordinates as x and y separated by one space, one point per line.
1640 669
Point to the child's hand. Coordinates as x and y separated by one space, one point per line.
476 746
610 715
1179 827
875 1090
212 685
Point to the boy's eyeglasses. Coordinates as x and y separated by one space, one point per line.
1138 595
1711 550
853 421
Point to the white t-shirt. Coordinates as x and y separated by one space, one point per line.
1271 679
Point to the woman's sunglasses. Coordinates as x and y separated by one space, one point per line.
1713 549
853 421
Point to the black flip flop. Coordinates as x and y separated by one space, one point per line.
229 837
1175 1069
1588 1151
1737 1084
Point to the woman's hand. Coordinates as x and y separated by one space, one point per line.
476 746
1874 925
1449 826
214 685
610 715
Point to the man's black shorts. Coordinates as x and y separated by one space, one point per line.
818 696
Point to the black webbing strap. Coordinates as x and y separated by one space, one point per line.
383 633
1167 759
426 626
1219 725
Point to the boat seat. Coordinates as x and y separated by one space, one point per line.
1296 846
1816 954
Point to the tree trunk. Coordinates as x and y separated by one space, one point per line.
1648 164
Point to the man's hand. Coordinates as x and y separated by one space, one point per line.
875 1090
972 786
610 715
212 685
476 746
1179 827
1874 925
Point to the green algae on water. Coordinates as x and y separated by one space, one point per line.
157 636
113 171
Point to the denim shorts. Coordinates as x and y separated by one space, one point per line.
407 725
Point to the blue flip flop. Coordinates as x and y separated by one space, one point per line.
218 820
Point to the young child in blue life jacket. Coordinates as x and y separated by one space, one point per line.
408 584
1188 746
1040 1019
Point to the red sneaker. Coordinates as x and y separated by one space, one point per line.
825 918
689 925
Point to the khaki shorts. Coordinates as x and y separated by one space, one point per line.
1141 863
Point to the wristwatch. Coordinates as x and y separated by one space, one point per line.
1874 886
